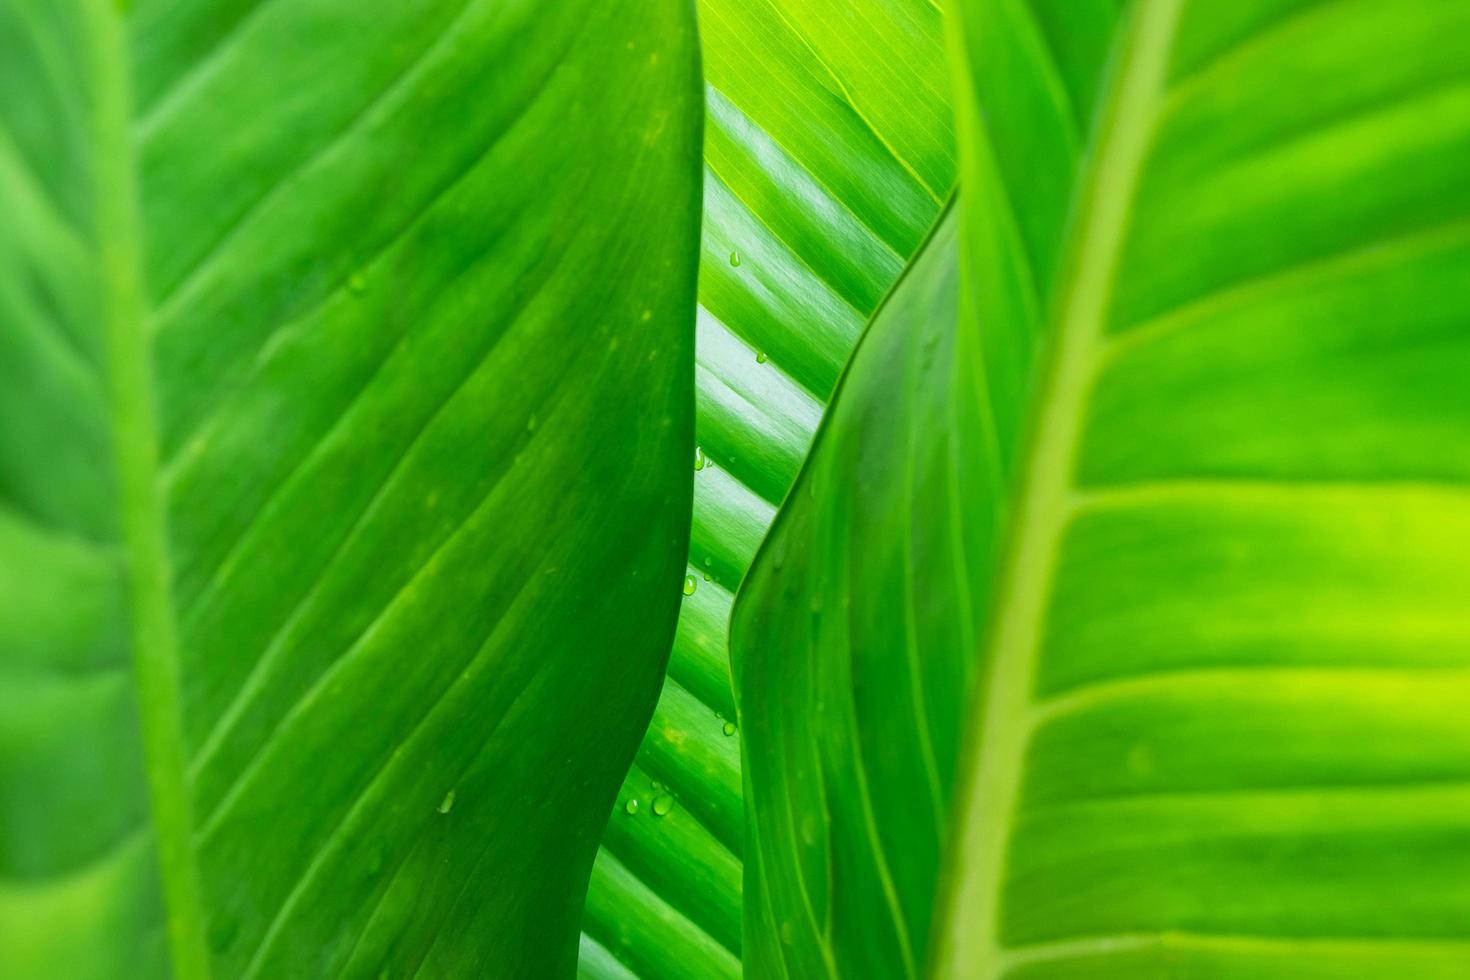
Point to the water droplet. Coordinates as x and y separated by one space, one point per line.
699 459
690 585
708 560
448 803
531 424
760 357
729 728
734 258
631 807
357 283
706 576
662 805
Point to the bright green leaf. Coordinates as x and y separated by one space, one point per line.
1218 723
346 387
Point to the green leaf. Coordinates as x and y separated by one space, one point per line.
828 147
346 378
855 630
851 646
1216 726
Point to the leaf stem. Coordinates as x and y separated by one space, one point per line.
968 938
135 441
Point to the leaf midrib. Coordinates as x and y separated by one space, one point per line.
140 504
968 942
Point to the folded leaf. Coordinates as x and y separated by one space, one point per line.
828 146
346 386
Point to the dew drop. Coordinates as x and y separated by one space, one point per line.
699 459
357 283
729 728
734 258
448 803
662 805
631 807
706 576
531 424
760 357
690 584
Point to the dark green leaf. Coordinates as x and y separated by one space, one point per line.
345 415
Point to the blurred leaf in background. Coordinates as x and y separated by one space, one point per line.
346 405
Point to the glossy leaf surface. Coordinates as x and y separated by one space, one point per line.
1217 726
345 379
828 149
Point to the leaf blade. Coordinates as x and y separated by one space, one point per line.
1196 755
370 640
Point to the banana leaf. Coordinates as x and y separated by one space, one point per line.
1174 497
346 406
